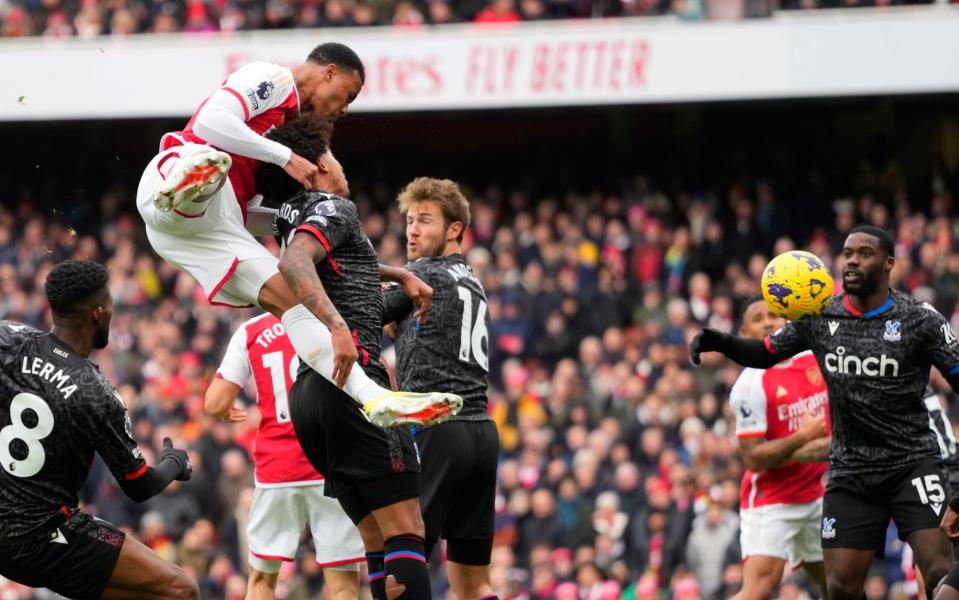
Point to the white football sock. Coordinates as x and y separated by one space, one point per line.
313 343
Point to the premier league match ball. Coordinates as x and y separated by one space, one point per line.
797 285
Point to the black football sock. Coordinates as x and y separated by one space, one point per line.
405 568
377 578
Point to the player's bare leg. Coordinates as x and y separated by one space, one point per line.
817 572
932 552
761 575
261 586
313 343
846 570
469 582
949 587
399 518
142 573
373 544
341 584
947 592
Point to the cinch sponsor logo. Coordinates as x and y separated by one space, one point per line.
871 366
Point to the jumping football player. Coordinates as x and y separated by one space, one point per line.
56 411
200 220
875 347
331 266
289 491
458 457
781 422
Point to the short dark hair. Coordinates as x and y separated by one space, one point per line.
307 136
340 55
886 242
745 306
72 282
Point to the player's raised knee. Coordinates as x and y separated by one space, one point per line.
181 586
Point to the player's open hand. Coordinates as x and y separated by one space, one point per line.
420 293
180 457
705 341
950 524
303 171
344 355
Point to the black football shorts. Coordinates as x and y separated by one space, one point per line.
459 487
76 560
366 467
857 508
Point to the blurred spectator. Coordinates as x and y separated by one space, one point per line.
619 467
88 18
498 11
712 534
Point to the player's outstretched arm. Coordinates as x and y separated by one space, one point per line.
415 289
298 267
745 351
174 465
220 401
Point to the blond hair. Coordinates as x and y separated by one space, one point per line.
453 204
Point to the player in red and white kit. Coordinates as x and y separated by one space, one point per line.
289 491
196 198
782 424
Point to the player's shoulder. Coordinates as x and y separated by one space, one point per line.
748 384
261 68
803 361
835 308
256 324
324 204
432 265
316 207
452 269
15 341
12 333
909 305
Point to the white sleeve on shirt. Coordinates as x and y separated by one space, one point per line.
748 401
235 366
222 120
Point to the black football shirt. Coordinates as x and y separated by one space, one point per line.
449 351
350 273
56 411
876 367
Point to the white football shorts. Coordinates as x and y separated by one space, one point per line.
787 531
213 247
278 516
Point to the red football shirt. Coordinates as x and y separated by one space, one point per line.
268 97
260 349
769 404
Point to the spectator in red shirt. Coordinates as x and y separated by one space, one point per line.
498 11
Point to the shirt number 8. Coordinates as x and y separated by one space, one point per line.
32 463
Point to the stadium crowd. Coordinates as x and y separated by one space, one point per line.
619 474
90 18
